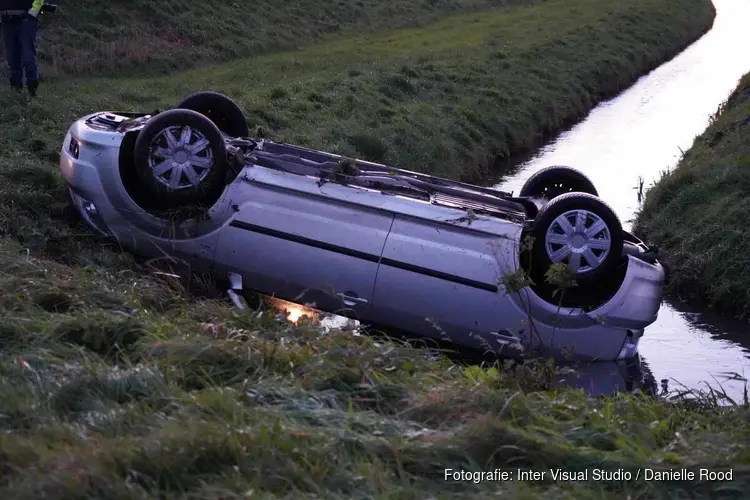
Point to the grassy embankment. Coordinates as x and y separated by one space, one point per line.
115 383
148 37
699 213
452 97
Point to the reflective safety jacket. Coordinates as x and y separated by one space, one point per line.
20 7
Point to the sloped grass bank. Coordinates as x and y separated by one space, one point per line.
454 98
150 38
699 214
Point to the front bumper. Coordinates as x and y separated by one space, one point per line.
88 160
90 213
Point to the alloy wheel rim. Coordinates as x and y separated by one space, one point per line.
181 157
580 239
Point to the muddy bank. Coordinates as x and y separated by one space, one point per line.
699 214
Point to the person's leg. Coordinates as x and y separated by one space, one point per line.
12 48
28 52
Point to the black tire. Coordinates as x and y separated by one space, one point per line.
606 259
220 109
211 163
556 180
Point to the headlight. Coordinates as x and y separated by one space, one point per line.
96 220
74 148
90 213
90 208
629 348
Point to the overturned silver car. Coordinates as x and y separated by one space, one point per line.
389 247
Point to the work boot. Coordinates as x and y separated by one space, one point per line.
32 89
16 86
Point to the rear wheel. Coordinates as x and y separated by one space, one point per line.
180 158
580 231
220 109
554 181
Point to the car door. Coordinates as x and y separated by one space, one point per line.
305 246
442 281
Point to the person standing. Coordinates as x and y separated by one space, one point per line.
19 24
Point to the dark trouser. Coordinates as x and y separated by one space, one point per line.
19 45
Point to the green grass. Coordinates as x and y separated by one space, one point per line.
116 382
121 36
456 97
117 385
699 213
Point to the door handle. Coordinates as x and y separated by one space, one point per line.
351 301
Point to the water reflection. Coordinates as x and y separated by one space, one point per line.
608 378
603 378
625 143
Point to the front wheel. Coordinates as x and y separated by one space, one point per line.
220 109
580 231
180 158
